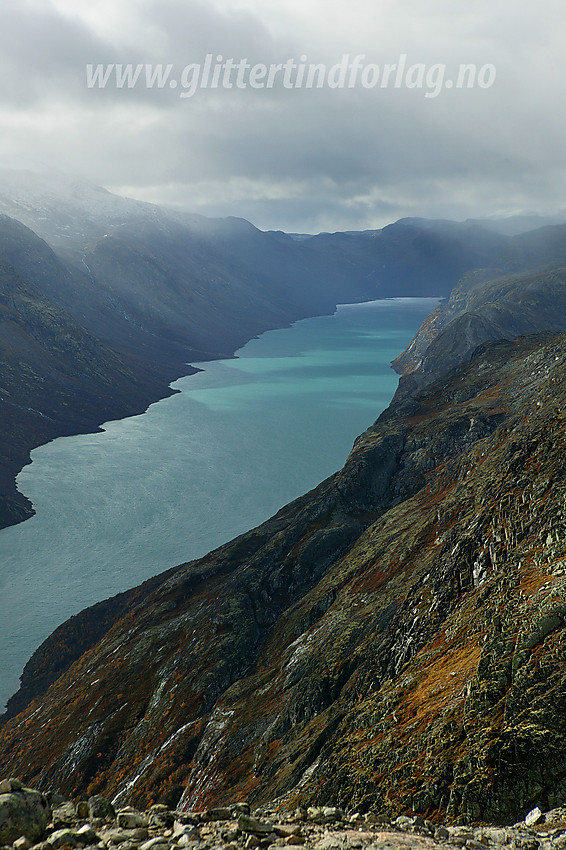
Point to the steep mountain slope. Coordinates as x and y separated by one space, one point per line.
393 639
55 377
431 255
485 305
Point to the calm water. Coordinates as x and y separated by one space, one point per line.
239 441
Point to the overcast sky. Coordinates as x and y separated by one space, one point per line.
299 159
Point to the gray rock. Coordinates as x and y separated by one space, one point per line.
100 807
65 836
188 837
329 842
493 835
185 835
87 835
181 829
23 843
54 798
534 816
251 842
23 811
131 819
285 830
193 818
247 823
118 836
441 833
460 835
163 819
217 814
64 815
155 843
329 814
7 785
239 809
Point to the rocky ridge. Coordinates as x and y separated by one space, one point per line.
486 305
49 822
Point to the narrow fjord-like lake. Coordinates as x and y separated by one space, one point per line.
240 440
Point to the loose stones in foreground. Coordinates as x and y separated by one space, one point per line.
30 820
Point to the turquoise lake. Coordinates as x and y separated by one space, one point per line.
240 439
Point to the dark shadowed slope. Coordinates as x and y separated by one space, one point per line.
55 377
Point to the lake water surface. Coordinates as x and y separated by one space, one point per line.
240 440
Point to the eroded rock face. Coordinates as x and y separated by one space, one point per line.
23 812
392 641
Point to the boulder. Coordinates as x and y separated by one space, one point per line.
100 807
65 838
131 819
64 815
534 816
247 823
87 835
23 811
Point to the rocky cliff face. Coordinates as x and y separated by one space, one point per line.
486 305
393 640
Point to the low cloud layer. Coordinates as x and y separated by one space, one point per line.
291 156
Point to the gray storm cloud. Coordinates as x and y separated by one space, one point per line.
294 158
